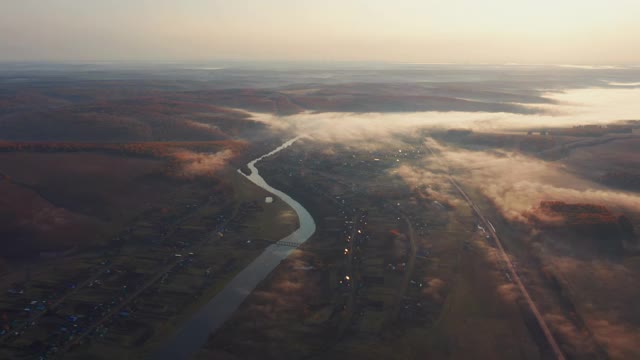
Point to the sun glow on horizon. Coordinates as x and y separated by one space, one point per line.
467 31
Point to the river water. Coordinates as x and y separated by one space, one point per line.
193 334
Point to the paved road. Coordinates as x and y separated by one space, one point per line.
408 269
116 309
351 299
585 143
146 285
53 305
553 344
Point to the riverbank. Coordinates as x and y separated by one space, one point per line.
195 332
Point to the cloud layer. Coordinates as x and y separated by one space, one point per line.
569 108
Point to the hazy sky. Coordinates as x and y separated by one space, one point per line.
463 31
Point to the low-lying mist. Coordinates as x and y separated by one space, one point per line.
517 183
194 164
569 108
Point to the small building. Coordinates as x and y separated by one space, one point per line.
268 199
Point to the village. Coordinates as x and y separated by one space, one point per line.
157 270
381 263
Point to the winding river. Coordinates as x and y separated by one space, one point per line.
193 334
